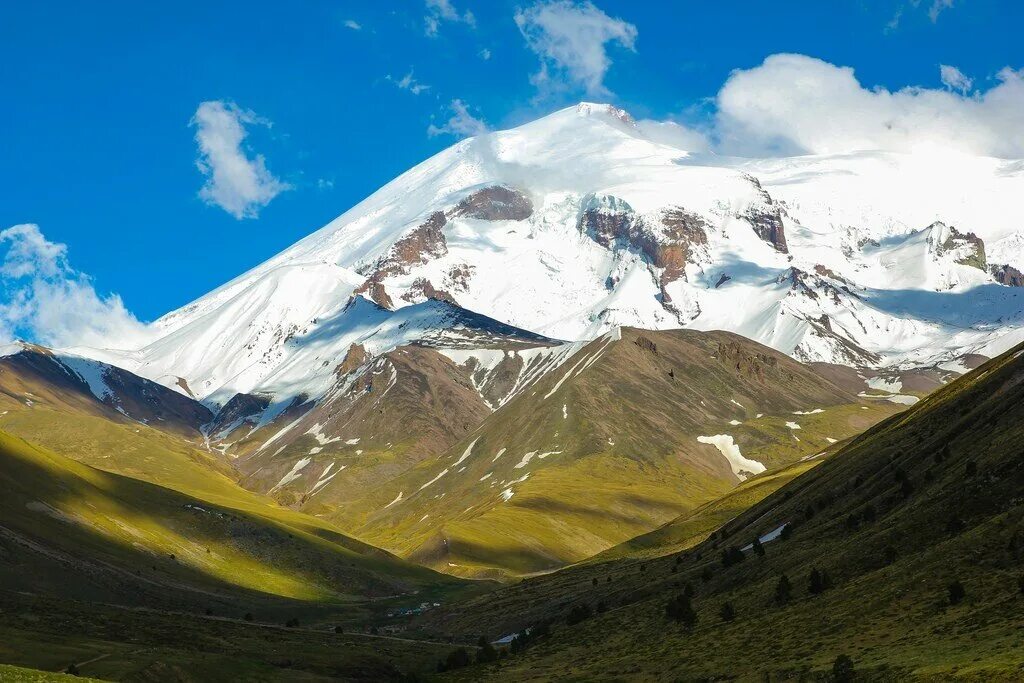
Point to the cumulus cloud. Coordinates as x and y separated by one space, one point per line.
47 301
461 124
793 104
408 82
353 24
236 182
443 10
954 79
571 39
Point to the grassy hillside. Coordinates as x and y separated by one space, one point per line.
605 448
918 525
117 644
69 529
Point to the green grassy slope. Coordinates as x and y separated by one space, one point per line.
925 499
69 529
605 448
117 644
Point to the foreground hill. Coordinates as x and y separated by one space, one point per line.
630 431
73 531
901 552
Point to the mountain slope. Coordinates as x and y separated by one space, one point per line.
581 221
77 532
917 523
630 431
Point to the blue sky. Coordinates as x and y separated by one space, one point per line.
99 152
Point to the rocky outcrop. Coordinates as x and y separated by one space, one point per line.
495 203
354 359
422 288
1008 275
669 243
374 290
766 219
812 284
967 248
420 245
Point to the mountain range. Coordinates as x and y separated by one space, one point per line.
564 366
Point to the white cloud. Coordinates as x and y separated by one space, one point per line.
444 10
571 40
674 134
408 82
937 7
46 301
353 24
235 182
793 104
485 54
461 124
954 79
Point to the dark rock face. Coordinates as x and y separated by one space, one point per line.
495 203
809 284
422 288
767 220
419 246
722 280
768 226
354 358
241 409
668 245
422 244
646 344
974 253
1008 275
458 276
374 290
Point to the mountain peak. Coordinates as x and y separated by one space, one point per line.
598 109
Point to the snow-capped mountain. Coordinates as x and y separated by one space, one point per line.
579 222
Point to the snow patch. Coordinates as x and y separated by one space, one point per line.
741 466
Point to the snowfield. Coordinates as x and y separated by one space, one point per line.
870 259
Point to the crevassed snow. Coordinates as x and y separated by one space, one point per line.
740 465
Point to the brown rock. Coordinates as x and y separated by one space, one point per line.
1008 275
495 203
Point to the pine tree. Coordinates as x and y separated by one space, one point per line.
956 592
486 652
727 612
758 547
819 581
680 609
842 669
783 590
